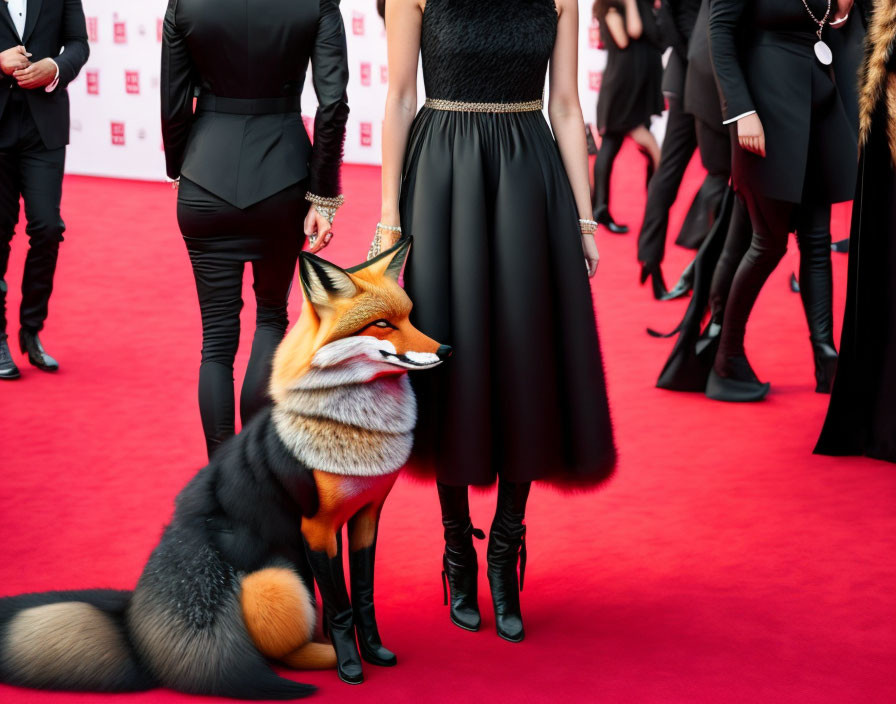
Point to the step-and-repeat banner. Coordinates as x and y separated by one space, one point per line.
115 100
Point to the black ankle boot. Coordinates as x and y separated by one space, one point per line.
338 617
371 645
8 368
825 366
506 550
602 217
460 567
655 274
30 344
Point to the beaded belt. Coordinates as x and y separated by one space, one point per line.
457 106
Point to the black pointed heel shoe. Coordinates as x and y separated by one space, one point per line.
8 368
460 571
825 367
684 285
30 344
738 384
655 274
602 217
369 642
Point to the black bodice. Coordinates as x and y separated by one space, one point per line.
487 50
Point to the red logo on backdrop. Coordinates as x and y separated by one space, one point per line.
594 80
93 82
384 74
118 134
132 82
594 35
366 72
366 134
159 30
119 32
93 33
358 23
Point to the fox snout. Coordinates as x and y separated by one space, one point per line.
444 352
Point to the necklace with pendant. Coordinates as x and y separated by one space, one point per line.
822 51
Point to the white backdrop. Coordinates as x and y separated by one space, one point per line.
115 100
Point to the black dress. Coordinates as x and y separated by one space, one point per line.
631 89
497 269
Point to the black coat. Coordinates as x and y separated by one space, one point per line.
763 57
247 60
701 93
51 26
677 18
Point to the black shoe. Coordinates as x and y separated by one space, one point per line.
338 617
655 274
794 283
8 368
825 366
840 246
684 285
738 385
506 551
603 217
460 570
369 641
30 344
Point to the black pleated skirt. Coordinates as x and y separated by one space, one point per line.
497 272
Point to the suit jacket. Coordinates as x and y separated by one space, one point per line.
246 60
54 29
762 52
677 21
701 94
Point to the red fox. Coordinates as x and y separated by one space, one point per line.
228 587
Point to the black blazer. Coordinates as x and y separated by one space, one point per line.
762 52
247 60
677 18
50 27
701 94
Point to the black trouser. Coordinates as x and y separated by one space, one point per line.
30 170
220 239
610 144
772 221
679 145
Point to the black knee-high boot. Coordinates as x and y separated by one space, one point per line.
506 550
460 567
371 645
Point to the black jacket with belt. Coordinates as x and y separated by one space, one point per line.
763 56
246 60
54 29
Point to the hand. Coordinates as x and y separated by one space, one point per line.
838 18
592 257
318 229
37 75
750 134
14 59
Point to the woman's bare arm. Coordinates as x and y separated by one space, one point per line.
565 112
616 27
634 27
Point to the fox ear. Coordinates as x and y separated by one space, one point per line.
323 281
388 263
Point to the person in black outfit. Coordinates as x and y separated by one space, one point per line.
247 170
630 92
43 46
795 156
861 419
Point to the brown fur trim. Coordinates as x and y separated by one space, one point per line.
891 115
873 79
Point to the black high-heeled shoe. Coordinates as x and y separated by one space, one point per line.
683 286
506 551
655 274
460 571
825 366
602 217
737 384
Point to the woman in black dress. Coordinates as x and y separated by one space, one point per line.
861 419
499 268
630 92
795 155
247 170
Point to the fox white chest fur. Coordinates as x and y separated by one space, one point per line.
353 413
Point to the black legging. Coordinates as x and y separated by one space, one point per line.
610 144
220 240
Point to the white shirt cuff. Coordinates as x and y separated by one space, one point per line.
735 119
50 88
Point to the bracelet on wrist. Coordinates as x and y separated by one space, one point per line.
324 205
376 247
587 227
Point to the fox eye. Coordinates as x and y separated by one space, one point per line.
382 324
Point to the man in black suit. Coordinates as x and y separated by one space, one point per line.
43 45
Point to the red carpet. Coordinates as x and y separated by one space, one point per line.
724 563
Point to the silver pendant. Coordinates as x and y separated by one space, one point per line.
823 53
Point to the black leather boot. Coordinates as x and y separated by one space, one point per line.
30 344
460 567
338 617
371 646
506 550
655 273
8 368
